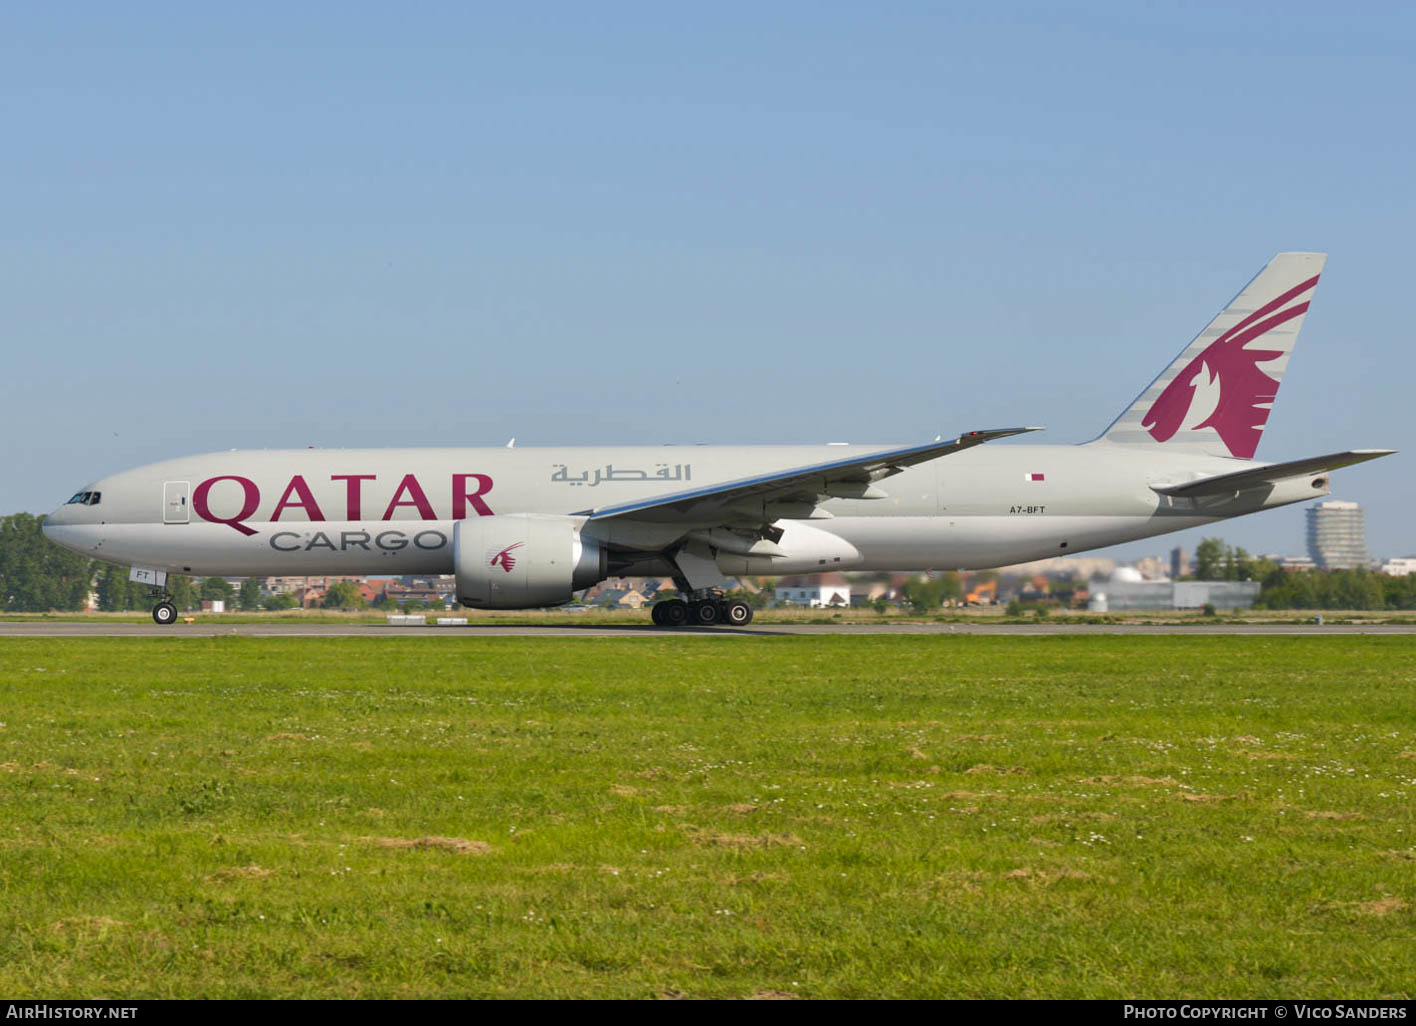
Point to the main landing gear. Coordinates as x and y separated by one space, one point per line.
707 611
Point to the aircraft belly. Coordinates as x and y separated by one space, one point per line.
982 542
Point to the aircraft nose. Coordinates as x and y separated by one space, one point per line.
82 538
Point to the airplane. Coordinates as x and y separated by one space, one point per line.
523 528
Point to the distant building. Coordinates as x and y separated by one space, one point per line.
1152 568
423 592
866 589
815 590
1337 535
1128 590
1179 563
1400 566
621 598
443 584
372 591
608 591
1078 568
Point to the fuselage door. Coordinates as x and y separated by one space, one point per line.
176 502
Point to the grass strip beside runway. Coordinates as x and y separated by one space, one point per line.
822 817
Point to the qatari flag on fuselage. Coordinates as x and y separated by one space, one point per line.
1033 477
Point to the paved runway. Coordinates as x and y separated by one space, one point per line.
59 629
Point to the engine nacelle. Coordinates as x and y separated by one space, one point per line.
523 561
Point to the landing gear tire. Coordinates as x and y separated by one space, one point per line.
737 613
673 613
706 614
164 613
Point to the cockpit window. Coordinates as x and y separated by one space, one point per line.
85 499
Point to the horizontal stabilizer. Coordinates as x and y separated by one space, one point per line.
1269 473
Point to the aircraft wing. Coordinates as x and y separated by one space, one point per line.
791 493
1225 484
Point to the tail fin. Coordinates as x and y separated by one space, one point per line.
1216 396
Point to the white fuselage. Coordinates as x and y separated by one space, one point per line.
391 511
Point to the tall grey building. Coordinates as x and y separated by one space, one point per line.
1337 535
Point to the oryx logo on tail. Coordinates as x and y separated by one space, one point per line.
1224 387
505 559
1216 395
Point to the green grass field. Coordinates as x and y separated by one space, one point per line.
708 817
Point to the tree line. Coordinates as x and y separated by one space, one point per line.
37 576
1303 589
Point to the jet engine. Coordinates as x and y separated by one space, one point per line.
522 561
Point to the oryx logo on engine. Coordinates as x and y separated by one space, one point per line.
505 559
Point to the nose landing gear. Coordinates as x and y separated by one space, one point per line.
164 613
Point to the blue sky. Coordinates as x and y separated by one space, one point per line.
345 225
